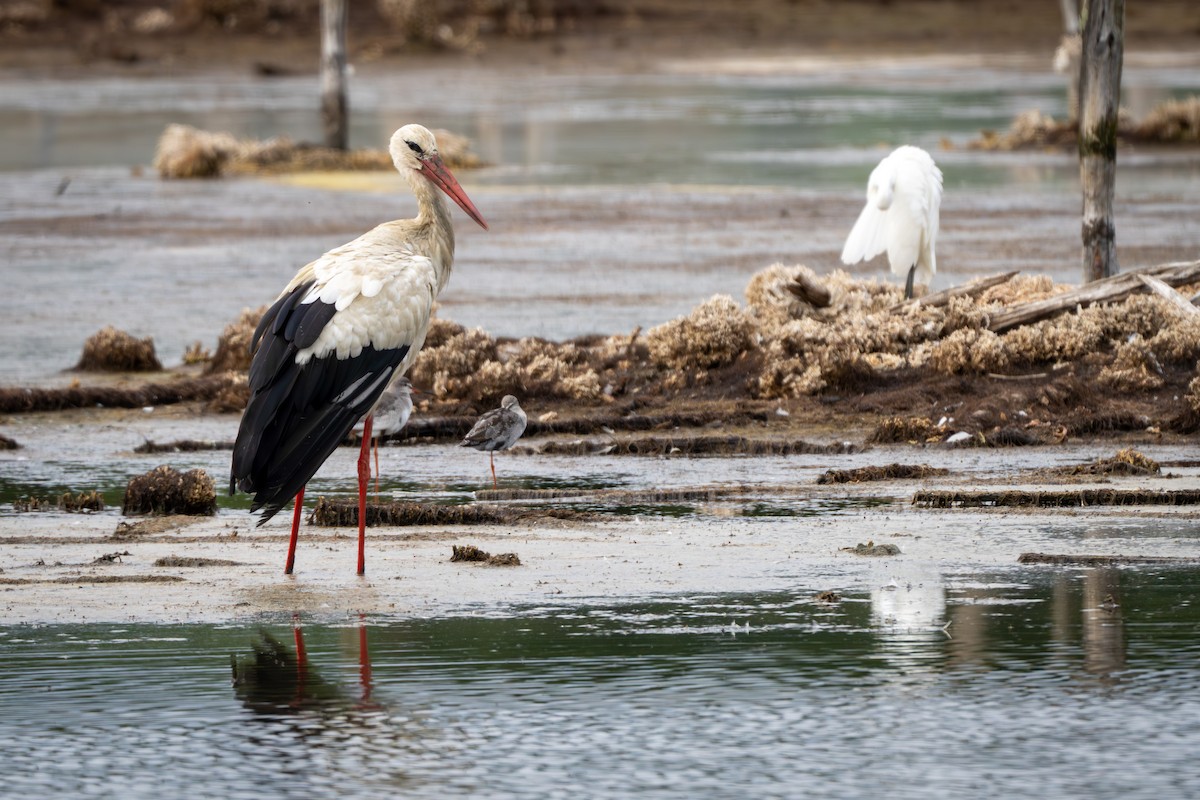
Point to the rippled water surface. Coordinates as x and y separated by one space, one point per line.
1018 684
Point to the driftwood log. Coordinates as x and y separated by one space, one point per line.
1178 301
972 288
1105 290
810 291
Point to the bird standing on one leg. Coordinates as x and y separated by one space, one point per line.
904 198
340 331
498 429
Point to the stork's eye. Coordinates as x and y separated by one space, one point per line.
416 148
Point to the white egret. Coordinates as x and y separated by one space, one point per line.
904 196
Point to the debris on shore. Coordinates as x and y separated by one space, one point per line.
344 513
686 445
181 446
70 502
164 490
890 472
1173 122
467 552
194 561
1126 462
1067 559
1057 499
139 396
113 350
1002 361
187 152
872 549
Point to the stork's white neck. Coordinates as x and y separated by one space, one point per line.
432 227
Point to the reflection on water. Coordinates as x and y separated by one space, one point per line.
954 686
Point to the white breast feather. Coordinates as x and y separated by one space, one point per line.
382 299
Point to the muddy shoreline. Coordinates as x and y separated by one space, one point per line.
714 493
630 36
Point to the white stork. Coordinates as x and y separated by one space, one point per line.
904 195
345 325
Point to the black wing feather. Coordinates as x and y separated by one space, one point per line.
297 415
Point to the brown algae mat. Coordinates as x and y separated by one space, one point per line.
887 473
1056 499
1068 363
1060 559
166 491
344 513
467 552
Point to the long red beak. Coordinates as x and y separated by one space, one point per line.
436 171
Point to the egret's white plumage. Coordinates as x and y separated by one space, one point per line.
340 331
904 197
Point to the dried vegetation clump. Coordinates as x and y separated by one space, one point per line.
894 430
187 152
1126 462
233 345
164 490
471 366
1172 122
886 473
713 335
1064 498
112 350
468 552
344 513
70 502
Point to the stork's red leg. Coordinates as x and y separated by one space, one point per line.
376 469
301 659
364 477
364 661
492 461
291 559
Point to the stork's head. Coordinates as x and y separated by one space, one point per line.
414 148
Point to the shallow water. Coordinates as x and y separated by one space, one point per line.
1021 683
615 201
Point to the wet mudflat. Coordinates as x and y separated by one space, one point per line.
667 641
953 685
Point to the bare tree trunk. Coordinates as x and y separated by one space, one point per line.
333 73
1100 93
1067 56
1070 12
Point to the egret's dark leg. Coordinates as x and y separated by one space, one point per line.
296 512
364 478
492 461
908 285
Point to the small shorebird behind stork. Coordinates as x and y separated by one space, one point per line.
389 416
904 197
498 429
345 325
